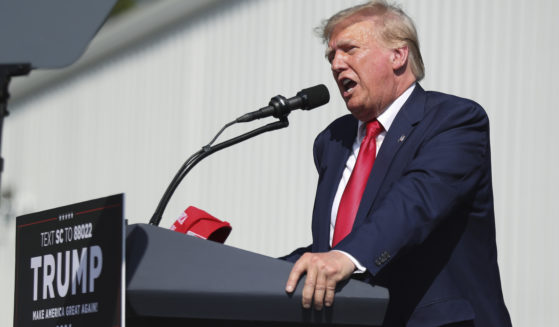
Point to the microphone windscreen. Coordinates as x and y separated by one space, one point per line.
315 96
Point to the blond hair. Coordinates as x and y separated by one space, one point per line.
396 29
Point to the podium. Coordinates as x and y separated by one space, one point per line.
178 280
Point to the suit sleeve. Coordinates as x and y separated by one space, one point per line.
440 178
295 255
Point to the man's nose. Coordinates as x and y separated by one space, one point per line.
338 63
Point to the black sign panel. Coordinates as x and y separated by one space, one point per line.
69 265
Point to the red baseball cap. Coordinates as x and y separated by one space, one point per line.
201 224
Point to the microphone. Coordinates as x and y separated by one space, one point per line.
280 107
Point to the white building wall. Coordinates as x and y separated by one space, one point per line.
127 124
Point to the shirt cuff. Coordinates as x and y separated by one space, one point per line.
359 269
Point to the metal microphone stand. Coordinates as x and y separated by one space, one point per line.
205 152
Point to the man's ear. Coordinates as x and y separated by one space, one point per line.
399 58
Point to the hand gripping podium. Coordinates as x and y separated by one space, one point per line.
178 280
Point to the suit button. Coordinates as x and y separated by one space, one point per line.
378 263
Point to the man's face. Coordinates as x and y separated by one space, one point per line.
362 68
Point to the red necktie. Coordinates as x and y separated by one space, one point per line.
357 182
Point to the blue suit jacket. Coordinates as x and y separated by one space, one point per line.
425 227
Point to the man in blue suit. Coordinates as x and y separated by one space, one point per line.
404 196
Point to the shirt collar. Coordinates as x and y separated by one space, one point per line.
387 117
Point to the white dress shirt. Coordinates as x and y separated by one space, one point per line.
385 119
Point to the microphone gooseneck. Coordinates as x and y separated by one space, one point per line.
279 107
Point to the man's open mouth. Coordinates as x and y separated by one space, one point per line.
348 84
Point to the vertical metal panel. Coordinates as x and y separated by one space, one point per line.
128 124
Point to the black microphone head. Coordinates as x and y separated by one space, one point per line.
315 96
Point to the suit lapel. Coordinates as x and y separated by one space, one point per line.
336 162
402 126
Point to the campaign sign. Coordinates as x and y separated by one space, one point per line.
69 265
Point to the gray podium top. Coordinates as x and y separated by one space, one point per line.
172 275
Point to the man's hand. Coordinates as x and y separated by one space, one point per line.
324 271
